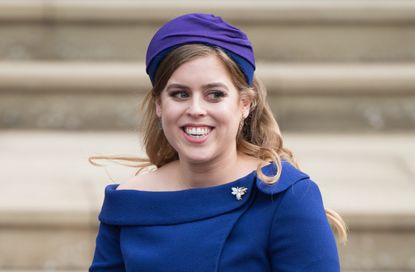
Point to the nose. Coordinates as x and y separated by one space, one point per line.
196 107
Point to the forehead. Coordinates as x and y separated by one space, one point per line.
201 71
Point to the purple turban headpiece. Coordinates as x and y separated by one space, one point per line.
204 29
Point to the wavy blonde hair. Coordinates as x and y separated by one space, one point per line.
259 135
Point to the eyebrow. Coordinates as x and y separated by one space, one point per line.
214 85
207 86
175 85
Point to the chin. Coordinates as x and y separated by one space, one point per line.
196 157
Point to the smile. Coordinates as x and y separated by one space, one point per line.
197 131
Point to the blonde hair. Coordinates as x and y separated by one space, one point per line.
259 136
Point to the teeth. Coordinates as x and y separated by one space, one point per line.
199 131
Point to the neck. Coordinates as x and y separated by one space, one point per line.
216 172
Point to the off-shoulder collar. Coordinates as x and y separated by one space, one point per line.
135 207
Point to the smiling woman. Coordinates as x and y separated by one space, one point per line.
222 171
201 112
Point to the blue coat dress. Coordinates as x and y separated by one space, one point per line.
282 227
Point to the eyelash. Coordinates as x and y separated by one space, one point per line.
217 94
183 94
175 94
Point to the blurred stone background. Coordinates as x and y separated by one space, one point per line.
341 82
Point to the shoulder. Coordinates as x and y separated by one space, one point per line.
300 203
290 176
301 237
302 197
146 181
150 181
296 191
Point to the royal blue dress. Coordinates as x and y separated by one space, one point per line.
282 227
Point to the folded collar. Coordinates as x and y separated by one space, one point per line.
135 207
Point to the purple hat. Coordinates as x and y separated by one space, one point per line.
205 29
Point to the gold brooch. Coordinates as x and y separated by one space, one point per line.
239 192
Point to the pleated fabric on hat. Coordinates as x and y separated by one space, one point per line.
201 28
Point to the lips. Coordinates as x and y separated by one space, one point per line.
197 133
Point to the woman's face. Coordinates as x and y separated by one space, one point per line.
200 110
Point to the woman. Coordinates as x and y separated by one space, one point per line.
226 194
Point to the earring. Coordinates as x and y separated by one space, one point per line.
159 125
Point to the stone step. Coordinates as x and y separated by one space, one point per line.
50 195
295 31
106 96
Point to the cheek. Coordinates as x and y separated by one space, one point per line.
228 117
170 112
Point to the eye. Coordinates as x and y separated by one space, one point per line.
216 95
179 94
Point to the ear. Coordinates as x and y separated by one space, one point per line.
245 106
158 107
